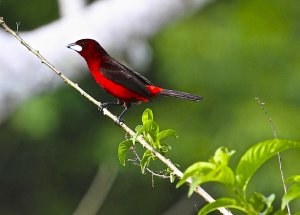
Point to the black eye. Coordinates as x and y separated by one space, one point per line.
81 43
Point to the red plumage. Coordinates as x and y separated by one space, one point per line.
124 84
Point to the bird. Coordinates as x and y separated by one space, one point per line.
128 86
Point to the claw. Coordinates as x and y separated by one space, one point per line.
100 107
103 105
119 121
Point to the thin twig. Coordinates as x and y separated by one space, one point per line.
18 25
262 106
137 158
140 138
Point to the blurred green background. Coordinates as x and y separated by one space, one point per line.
230 52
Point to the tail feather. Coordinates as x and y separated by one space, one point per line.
181 95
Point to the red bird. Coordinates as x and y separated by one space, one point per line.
124 84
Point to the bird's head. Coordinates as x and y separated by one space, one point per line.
88 48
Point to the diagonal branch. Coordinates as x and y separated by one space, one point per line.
140 138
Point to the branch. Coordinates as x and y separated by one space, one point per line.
262 106
137 160
140 138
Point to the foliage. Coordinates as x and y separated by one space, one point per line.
293 192
218 170
229 52
152 134
215 170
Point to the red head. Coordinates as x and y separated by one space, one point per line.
89 49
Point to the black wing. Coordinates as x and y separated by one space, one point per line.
120 74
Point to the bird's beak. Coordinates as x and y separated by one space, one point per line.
75 47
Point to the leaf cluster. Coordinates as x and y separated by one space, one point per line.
151 133
217 170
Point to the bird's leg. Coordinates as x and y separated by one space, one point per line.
119 119
106 104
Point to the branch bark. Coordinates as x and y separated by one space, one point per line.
128 130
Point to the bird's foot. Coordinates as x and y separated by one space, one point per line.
119 121
103 105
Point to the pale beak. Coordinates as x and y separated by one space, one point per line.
75 47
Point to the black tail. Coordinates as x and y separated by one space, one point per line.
181 95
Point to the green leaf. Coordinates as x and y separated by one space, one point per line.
222 202
222 156
280 212
164 148
269 201
123 149
195 169
294 178
147 116
138 127
166 133
209 170
259 202
292 194
152 128
214 171
203 172
146 160
148 125
149 128
138 130
257 155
